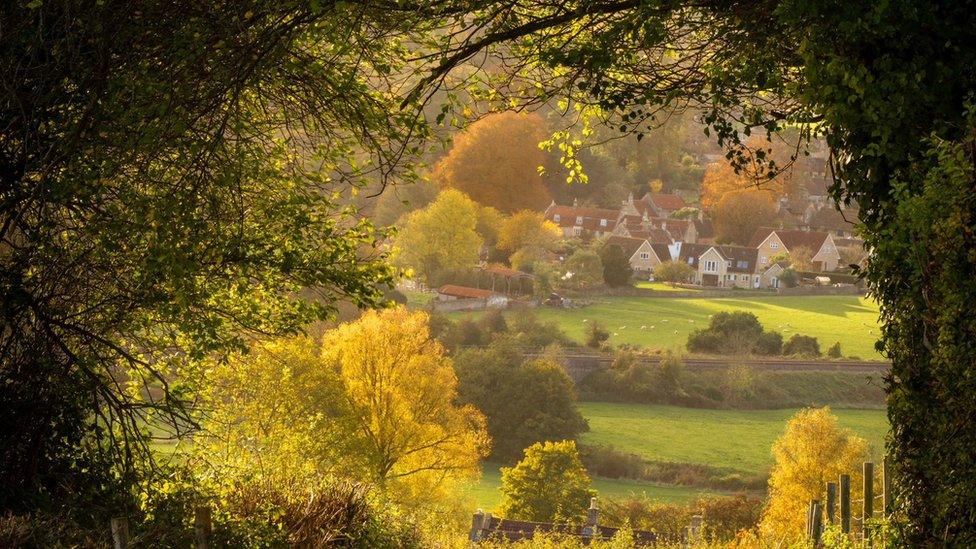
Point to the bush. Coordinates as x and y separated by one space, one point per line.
834 351
493 322
608 462
801 345
769 344
723 516
596 335
789 278
524 402
616 266
736 332
548 484
673 272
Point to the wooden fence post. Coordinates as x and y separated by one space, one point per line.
816 521
694 529
886 487
831 502
477 524
120 532
202 525
868 508
845 504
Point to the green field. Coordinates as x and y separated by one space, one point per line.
736 439
662 287
852 320
485 494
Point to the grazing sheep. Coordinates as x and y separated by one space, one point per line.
643 327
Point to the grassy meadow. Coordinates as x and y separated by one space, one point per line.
852 320
740 440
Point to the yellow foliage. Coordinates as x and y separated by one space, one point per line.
409 436
813 451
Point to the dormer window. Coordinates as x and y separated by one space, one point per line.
556 218
603 222
579 220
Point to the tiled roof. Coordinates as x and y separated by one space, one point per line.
669 202
691 251
591 217
662 251
464 292
743 260
627 244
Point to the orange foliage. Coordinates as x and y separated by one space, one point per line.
495 162
739 213
720 179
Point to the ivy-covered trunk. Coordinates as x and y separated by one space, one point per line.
923 271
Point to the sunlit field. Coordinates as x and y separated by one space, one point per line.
851 320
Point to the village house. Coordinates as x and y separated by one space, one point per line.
721 266
644 227
770 277
643 255
829 219
659 205
769 242
581 221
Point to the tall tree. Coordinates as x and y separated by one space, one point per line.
739 213
171 177
549 484
526 236
440 239
407 433
496 162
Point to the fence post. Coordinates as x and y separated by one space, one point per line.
694 529
886 487
831 502
477 524
120 532
868 508
592 519
816 521
845 503
202 525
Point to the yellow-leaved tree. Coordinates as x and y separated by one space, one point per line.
407 434
274 414
441 238
526 236
813 450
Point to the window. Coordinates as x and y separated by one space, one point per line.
728 262
556 218
774 245
691 260
577 231
645 255
742 264
711 266
603 222
579 220
763 259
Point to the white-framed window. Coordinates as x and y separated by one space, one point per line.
763 259
645 255
603 222
579 220
577 231
711 266
728 262
691 260
756 280
556 218
774 245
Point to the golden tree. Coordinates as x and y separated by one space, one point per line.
739 213
408 434
495 161
529 235
440 238
813 450
720 179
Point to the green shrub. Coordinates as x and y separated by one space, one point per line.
801 345
596 335
608 462
769 344
549 484
834 351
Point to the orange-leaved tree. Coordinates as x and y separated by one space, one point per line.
496 162
739 213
